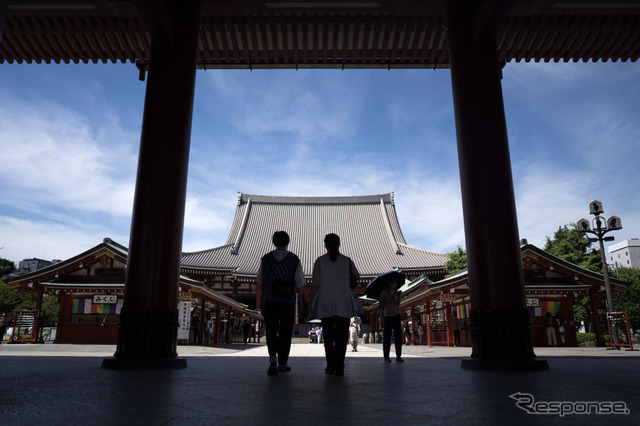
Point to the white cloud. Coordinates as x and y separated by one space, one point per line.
53 157
24 239
430 212
262 103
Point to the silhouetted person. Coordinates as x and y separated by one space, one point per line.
456 330
279 274
246 330
390 300
354 328
550 329
208 330
334 277
561 329
195 325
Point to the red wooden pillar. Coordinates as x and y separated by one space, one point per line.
64 315
570 332
39 320
449 320
596 318
217 325
500 325
258 296
202 317
147 334
429 325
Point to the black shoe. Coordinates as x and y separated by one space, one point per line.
387 359
398 359
329 370
284 367
339 373
273 370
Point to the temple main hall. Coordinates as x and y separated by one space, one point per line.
368 227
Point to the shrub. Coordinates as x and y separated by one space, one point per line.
586 337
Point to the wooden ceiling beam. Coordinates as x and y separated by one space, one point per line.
155 15
336 38
254 40
103 39
491 16
295 40
284 30
7 47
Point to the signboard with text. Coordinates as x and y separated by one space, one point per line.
533 302
184 319
105 298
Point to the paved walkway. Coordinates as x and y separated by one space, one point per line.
64 384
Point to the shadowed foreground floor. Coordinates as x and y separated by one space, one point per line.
64 384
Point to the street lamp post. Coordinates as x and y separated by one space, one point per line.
599 230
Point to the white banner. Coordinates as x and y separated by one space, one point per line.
184 319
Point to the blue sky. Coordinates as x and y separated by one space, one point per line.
69 137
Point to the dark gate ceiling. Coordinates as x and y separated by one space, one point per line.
320 34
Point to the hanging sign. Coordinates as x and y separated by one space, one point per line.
533 302
184 319
105 299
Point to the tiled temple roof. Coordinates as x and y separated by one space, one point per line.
367 225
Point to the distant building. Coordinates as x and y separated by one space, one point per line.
625 254
27 266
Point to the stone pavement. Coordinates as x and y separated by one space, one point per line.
61 384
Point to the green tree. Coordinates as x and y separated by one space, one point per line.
457 261
574 247
6 267
51 307
12 299
629 301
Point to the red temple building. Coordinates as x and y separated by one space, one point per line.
90 289
551 285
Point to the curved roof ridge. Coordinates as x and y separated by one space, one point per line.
422 250
346 199
387 225
191 253
243 227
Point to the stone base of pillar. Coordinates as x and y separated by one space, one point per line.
501 340
147 339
